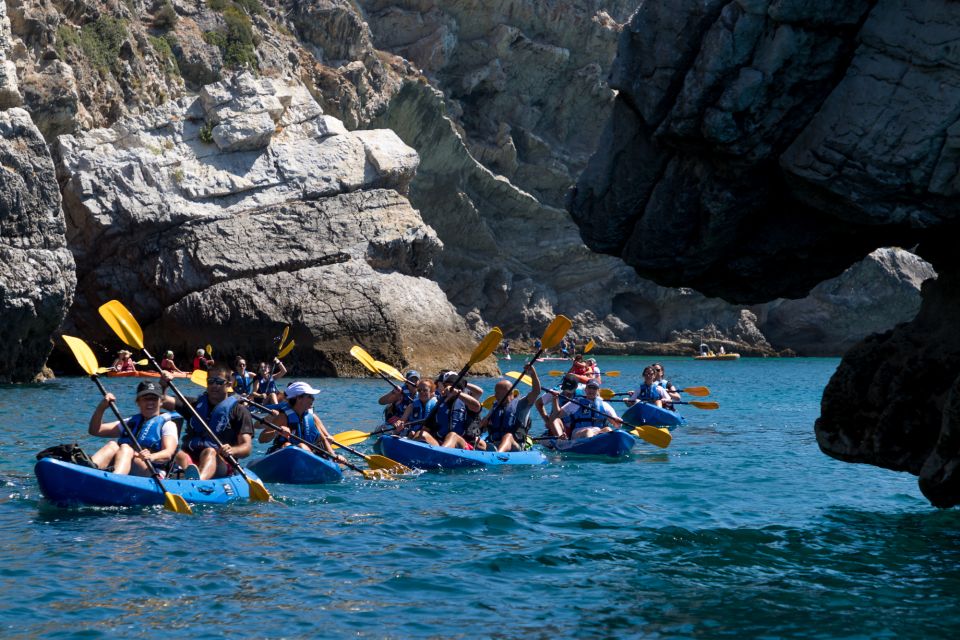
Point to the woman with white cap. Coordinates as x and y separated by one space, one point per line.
123 362
297 418
156 433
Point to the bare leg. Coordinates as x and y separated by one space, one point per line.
429 439
208 463
508 444
121 462
103 457
454 441
183 459
556 428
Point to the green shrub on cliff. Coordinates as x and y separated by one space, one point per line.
101 41
166 17
67 37
237 42
163 50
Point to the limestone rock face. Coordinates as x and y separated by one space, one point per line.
758 148
36 269
304 224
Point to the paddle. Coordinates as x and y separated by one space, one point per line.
375 461
283 338
367 361
657 437
606 394
209 349
128 329
390 371
356 437
612 374
283 353
707 406
88 362
320 451
525 379
589 347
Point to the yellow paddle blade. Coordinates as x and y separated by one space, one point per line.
612 374
606 394
709 406
555 332
489 402
365 358
84 355
123 323
696 391
487 346
516 375
103 369
555 373
142 363
382 462
590 346
287 349
199 377
350 438
378 474
283 338
176 503
209 349
390 371
656 436
258 492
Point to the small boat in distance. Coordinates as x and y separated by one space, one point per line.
706 353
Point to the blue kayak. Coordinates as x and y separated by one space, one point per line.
615 444
420 455
646 413
64 483
293 465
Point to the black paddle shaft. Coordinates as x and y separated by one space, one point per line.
589 408
126 429
319 450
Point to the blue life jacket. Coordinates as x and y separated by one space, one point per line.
451 418
421 410
305 429
242 383
501 421
266 385
648 392
583 417
218 419
147 432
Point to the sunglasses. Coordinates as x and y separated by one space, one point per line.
216 381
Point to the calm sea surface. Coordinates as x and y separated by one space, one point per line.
742 528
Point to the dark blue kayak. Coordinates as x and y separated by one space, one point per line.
612 443
420 455
65 484
293 465
646 413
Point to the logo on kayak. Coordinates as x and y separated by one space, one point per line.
228 489
503 458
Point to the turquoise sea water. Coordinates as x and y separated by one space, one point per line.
742 528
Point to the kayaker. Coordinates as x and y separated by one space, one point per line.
242 379
450 421
648 391
201 361
297 417
123 363
508 424
417 410
265 385
661 379
594 370
227 418
579 369
155 432
589 415
398 399
167 364
553 399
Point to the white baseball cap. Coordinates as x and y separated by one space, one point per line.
295 389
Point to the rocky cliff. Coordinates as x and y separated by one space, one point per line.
757 148
36 269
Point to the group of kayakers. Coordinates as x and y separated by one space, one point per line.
444 411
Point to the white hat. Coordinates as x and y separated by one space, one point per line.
295 389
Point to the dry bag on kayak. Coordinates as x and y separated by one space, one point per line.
67 453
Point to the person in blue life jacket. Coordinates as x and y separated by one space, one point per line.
589 415
551 401
417 411
398 399
156 433
508 424
265 384
296 417
661 378
649 391
229 419
242 380
449 423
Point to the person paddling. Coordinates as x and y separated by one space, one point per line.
550 402
201 361
399 398
661 379
167 364
585 423
417 410
242 379
508 424
123 363
450 419
648 391
227 418
265 385
155 432
297 417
